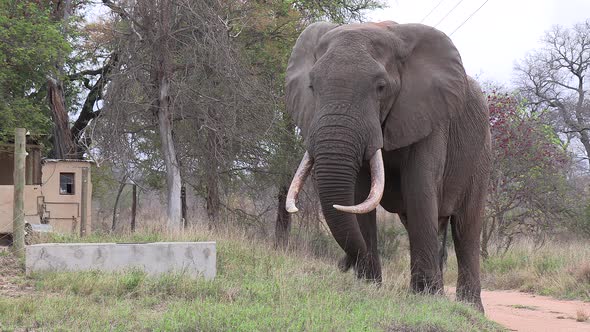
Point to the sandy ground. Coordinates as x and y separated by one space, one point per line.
519 311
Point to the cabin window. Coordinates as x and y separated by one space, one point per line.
66 183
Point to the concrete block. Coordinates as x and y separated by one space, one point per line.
192 258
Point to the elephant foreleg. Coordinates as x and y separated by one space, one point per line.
426 275
420 174
368 267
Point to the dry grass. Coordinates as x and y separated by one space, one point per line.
560 270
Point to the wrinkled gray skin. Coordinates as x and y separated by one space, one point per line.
353 89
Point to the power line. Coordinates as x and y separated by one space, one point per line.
431 11
469 17
450 11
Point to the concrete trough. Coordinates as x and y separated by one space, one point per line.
192 258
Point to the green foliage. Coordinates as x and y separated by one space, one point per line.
30 43
580 222
337 11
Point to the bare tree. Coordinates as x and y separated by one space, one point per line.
554 78
181 96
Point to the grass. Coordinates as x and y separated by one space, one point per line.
560 270
256 289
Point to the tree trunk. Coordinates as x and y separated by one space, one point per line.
114 224
283 221
173 179
212 186
585 139
133 207
63 144
488 229
162 77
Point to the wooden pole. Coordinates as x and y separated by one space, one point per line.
183 205
121 186
133 207
18 223
84 202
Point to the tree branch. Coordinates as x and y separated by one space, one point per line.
95 94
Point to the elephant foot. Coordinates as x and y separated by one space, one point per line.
367 268
346 263
472 298
427 285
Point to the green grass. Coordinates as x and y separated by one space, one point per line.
256 289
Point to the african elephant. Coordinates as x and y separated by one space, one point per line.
389 117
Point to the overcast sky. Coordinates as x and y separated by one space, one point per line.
500 33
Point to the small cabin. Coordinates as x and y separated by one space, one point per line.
53 194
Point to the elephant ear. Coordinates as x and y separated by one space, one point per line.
299 97
432 84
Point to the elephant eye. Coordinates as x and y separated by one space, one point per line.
310 87
381 87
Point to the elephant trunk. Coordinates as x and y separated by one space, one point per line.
337 146
336 176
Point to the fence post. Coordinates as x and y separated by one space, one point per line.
133 207
84 202
18 215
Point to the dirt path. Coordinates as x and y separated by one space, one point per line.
527 312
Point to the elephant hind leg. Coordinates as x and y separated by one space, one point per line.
443 225
466 228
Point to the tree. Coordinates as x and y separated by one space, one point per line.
554 78
528 186
29 44
182 96
46 52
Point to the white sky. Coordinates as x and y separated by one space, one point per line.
490 42
500 33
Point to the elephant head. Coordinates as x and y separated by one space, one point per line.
356 89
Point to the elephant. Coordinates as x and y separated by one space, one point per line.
389 117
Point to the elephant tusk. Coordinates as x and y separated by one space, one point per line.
297 183
377 186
